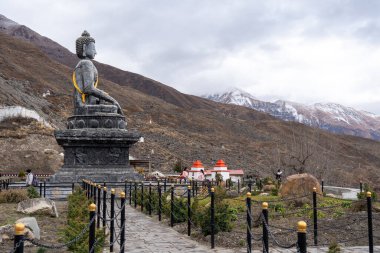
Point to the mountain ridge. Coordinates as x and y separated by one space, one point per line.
332 117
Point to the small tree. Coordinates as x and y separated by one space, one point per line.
178 166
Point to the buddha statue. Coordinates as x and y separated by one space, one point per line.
85 78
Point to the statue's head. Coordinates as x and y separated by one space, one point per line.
85 46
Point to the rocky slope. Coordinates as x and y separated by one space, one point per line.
208 131
332 117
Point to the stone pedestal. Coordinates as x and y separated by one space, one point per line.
96 146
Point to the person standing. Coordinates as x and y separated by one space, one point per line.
201 176
279 175
29 177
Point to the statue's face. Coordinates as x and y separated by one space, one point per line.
89 50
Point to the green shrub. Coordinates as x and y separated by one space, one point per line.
179 209
41 250
268 180
334 248
32 193
224 217
218 178
77 220
224 213
13 196
21 174
274 192
363 194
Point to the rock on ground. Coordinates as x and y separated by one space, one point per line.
6 232
299 185
33 230
38 205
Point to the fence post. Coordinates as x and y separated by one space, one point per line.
361 186
165 184
315 216
98 213
238 186
192 187
135 195
91 237
323 185
142 196
40 190
189 210
196 188
301 236
370 228
125 186
112 222
250 185
265 229
150 199
19 238
122 222
130 193
172 206
249 223
94 188
89 190
104 206
212 223
72 187
159 202
45 189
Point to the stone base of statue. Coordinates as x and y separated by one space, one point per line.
96 146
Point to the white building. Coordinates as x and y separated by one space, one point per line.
221 168
195 170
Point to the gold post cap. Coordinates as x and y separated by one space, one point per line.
172 185
301 226
248 194
112 191
92 207
212 189
99 186
122 195
264 205
314 189
19 228
189 187
104 188
369 194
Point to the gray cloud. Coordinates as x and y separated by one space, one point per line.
308 51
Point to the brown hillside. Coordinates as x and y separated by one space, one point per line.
243 137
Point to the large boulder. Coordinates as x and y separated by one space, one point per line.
299 185
32 228
38 206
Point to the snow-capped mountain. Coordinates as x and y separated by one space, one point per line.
329 116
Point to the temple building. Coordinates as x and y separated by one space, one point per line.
195 170
219 168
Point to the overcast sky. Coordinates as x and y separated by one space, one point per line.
303 51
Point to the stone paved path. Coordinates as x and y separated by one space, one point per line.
144 234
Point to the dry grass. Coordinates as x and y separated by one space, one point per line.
13 196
